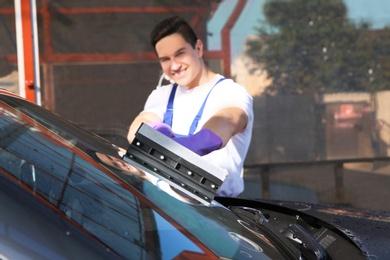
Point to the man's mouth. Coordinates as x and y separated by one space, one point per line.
179 74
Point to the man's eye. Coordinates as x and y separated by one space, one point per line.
115 164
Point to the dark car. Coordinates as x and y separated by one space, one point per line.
67 193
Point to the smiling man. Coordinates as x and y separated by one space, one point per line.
202 110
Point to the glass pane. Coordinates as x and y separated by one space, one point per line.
317 71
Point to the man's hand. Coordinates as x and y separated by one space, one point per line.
162 128
146 117
202 143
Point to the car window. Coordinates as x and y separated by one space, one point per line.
32 158
168 233
86 193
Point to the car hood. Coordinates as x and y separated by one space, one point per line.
358 225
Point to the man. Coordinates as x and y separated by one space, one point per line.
203 111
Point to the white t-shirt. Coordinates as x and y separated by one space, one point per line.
186 105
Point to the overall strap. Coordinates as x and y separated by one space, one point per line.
168 116
195 122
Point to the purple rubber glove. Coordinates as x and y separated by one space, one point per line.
202 143
162 128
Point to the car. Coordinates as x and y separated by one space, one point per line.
67 193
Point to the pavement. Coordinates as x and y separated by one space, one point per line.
364 185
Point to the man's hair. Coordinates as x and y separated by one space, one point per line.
170 26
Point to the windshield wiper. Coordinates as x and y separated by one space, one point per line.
294 232
260 222
300 235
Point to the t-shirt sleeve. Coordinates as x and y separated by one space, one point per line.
231 94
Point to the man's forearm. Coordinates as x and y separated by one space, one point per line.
227 122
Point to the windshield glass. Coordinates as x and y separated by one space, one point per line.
317 71
146 219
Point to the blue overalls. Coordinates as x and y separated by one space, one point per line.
168 116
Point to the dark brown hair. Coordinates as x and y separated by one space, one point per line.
170 26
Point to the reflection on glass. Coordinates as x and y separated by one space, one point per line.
127 168
95 201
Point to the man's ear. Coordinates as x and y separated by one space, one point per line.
199 47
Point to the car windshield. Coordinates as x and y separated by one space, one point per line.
130 211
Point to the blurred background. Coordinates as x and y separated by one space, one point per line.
318 71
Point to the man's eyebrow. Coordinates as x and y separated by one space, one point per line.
176 52
180 50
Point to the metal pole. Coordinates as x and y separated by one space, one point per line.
37 78
19 47
27 49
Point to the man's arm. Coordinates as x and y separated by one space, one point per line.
145 117
216 132
227 122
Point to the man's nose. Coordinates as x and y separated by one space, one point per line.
175 64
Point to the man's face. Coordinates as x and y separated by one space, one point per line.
179 61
